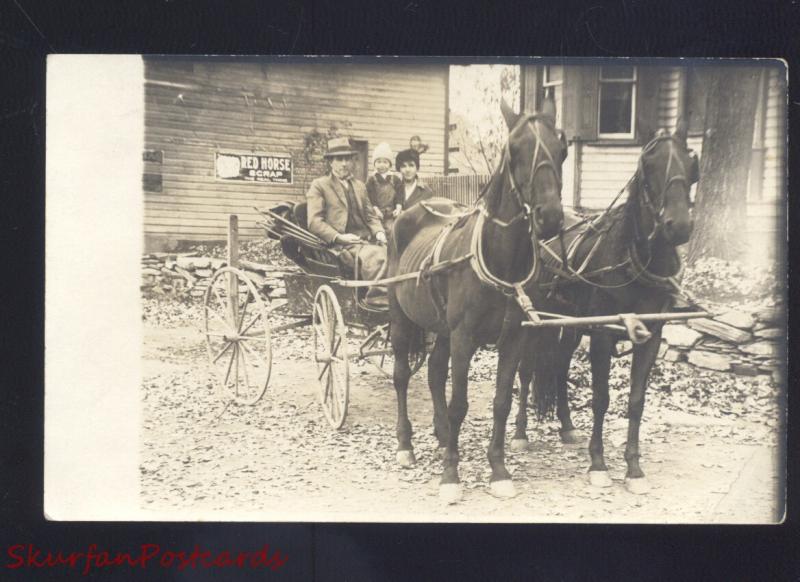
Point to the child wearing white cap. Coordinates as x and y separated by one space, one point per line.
383 186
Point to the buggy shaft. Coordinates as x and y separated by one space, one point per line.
607 319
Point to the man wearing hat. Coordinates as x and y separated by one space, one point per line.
340 213
412 190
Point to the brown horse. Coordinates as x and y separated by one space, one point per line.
470 304
632 262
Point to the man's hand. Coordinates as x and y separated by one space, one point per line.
347 238
381 237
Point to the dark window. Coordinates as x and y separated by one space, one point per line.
617 101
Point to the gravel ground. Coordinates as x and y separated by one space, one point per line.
710 444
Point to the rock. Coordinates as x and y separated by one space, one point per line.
186 275
770 333
770 315
218 263
710 360
170 264
192 263
257 278
762 348
273 282
719 330
680 336
744 369
150 272
715 345
275 293
736 319
203 273
674 355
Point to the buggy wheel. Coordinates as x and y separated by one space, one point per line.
238 336
382 358
330 355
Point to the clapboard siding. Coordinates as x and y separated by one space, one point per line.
604 171
669 98
774 138
271 108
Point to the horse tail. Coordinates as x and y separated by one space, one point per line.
545 385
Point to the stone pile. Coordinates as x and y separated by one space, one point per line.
744 343
183 274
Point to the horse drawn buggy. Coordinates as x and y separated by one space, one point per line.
510 271
238 317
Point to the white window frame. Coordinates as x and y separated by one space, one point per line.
549 87
633 81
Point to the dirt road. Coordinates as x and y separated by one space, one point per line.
279 460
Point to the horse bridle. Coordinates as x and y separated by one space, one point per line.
525 209
658 214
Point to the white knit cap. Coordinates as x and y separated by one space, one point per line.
382 151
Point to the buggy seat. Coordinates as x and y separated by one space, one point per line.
300 245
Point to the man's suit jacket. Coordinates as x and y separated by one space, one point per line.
327 208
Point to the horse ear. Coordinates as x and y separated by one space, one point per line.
509 115
681 130
549 108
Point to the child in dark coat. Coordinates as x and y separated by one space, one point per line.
383 187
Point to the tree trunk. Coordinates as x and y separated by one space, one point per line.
721 201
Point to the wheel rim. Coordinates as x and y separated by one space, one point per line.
237 336
331 356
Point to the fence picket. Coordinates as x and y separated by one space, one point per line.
462 188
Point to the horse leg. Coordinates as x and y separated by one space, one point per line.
600 358
567 346
507 362
438 368
403 330
520 440
462 348
644 356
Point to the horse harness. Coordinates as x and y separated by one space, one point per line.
636 268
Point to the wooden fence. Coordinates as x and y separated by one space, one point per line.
461 188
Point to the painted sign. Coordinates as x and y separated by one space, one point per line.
249 167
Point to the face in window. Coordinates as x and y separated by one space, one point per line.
409 171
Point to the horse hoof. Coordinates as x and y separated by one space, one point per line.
503 489
519 445
638 486
450 493
599 479
406 458
572 438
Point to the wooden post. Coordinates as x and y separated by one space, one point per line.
233 261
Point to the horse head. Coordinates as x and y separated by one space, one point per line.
667 170
534 153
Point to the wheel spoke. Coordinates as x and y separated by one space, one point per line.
256 355
244 310
251 324
228 371
218 316
236 373
244 367
219 355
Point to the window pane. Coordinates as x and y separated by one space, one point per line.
616 72
616 101
553 74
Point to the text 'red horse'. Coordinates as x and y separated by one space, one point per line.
469 304
629 264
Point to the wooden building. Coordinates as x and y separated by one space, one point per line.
603 110
222 136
